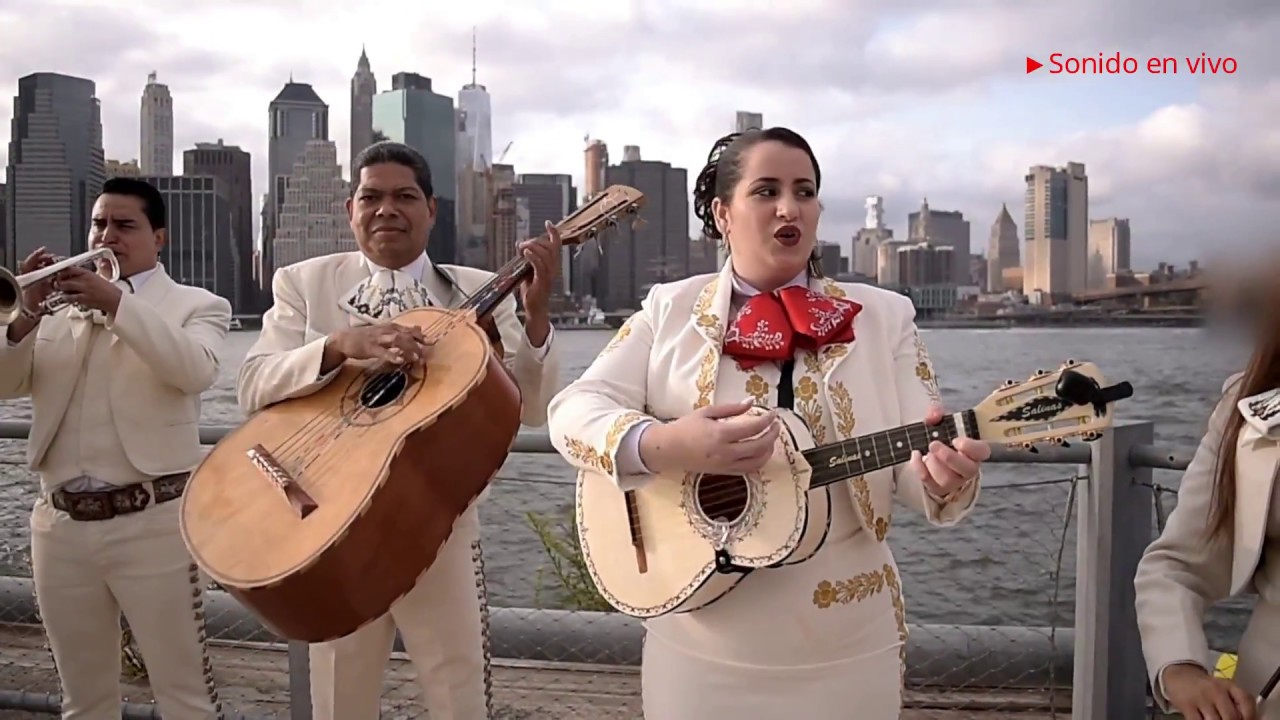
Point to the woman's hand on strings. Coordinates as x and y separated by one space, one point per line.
717 439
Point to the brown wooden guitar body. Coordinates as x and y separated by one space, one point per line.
388 486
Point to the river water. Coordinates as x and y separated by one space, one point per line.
996 568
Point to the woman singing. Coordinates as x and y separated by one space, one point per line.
1222 539
815 639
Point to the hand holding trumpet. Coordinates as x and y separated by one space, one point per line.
34 295
85 288
46 283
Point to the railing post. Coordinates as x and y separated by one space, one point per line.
1113 530
299 681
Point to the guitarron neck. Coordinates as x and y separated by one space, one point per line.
887 448
485 300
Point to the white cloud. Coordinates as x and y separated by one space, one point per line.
896 96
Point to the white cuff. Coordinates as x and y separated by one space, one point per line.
541 352
632 472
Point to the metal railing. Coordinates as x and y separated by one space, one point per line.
565 663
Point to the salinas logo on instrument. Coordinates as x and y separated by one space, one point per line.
682 541
321 511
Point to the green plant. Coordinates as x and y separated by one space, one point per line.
573 585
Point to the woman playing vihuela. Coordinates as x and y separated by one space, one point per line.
823 638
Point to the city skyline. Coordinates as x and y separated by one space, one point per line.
1184 158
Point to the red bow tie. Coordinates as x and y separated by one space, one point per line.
772 326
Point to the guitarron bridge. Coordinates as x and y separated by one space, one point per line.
266 463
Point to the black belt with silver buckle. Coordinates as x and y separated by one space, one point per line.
124 500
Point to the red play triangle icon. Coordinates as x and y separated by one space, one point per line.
1033 65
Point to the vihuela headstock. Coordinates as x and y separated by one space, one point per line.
1073 401
605 210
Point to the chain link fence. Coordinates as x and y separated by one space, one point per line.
989 606
988 600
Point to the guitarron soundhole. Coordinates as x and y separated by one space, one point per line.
723 499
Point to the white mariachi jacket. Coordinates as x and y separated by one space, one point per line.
1181 575
666 361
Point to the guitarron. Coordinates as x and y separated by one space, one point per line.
684 540
319 512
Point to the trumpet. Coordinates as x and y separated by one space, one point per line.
12 286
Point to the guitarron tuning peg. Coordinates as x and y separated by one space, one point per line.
1010 382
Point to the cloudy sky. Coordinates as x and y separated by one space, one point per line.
901 98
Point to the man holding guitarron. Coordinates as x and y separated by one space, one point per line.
115 382
336 308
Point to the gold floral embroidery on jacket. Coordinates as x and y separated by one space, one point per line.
807 392
758 388
855 589
858 588
866 585
900 617
588 456
708 323
842 409
619 336
832 288
602 460
862 494
706 320
830 355
924 369
706 380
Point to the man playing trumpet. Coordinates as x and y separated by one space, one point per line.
115 377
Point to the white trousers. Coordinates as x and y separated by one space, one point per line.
86 573
442 625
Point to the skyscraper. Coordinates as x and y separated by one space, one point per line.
156 145
200 250
364 85
477 109
1002 251
635 258
411 113
297 116
1109 251
56 165
596 159
744 121
313 217
231 166
4 230
943 228
1056 233
551 198
865 256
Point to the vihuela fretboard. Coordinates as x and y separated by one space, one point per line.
887 448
